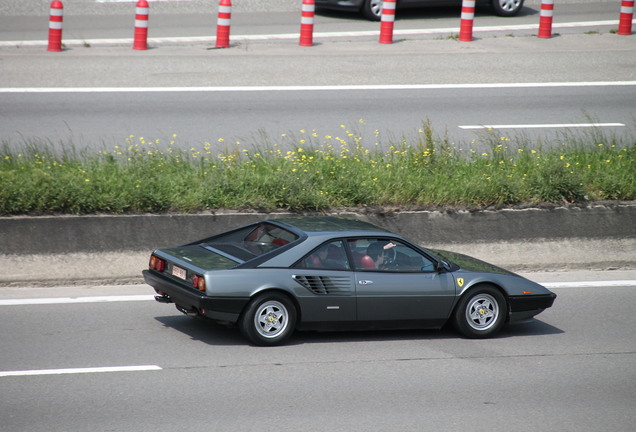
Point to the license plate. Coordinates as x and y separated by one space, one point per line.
179 272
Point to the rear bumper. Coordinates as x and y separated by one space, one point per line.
189 300
526 307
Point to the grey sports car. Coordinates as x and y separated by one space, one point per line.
274 276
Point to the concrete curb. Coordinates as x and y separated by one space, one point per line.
114 249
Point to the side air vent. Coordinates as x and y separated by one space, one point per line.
333 285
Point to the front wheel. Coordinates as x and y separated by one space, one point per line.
507 7
268 320
481 312
372 9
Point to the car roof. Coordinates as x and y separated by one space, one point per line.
330 224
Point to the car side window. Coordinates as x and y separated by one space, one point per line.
330 256
388 255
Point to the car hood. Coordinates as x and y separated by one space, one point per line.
468 263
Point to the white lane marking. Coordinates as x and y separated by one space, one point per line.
590 284
106 299
283 36
71 300
538 126
316 88
80 370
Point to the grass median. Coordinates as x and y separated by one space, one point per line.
305 172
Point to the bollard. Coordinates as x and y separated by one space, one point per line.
223 24
307 23
627 14
545 19
141 25
466 23
55 26
387 22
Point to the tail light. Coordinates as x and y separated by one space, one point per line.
157 263
198 282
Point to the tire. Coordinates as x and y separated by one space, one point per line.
372 9
268 320
481 312
506 8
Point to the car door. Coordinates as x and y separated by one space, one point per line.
402 286
327 279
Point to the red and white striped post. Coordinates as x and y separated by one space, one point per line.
223 24
307 23
387 22
55 26
141 25
545 19
627 14
466 23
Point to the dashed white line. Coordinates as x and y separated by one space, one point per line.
540 126
71 300
591 284
80 370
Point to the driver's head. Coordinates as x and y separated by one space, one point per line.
376 250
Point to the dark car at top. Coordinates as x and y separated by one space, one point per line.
329 273
372 9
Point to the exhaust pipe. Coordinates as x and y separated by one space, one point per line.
163 299
189 312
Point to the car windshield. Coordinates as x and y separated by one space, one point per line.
252 241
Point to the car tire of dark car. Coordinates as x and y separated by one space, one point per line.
269 319
506 8
481 312
372 9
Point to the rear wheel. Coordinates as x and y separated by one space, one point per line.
481 312
269 319
372 9
507 7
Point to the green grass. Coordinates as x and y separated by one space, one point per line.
306 172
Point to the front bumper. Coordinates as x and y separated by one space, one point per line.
191 301
526 307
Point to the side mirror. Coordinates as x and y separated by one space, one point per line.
442 266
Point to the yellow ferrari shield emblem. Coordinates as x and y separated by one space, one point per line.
460 282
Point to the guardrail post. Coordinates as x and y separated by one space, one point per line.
466 23
627 14
307 23
55 26
141 25
223 24
545 19
387 22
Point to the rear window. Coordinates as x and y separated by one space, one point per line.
252 241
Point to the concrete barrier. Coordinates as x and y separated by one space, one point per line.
99 233
97 250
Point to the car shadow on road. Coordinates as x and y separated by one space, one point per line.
211 333
203 330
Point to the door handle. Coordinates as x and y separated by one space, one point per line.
365 282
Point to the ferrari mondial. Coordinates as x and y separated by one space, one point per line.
327 273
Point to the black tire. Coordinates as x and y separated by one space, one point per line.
372 10
268 320
506 8
481 312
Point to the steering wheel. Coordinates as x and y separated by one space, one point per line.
390 256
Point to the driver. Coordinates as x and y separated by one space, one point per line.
377 252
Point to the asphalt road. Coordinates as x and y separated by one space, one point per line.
572 369
87 117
